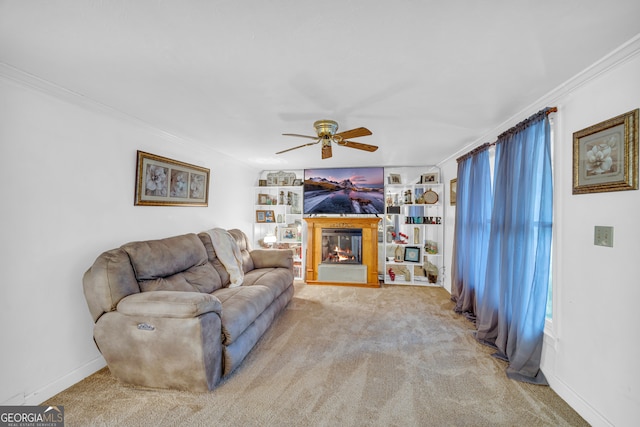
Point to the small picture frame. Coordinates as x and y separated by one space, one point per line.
605 155
261 216
394 178
430 178
269 216
264 199
262 182
412 254
280 178
289 234
453 191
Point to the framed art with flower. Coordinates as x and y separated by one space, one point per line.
161 181
605 155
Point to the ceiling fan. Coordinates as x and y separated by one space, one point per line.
326 130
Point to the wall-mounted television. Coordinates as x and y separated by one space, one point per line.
343 191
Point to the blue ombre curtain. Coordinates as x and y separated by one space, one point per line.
511 312
473 220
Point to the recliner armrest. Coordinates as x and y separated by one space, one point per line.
169 304
265 258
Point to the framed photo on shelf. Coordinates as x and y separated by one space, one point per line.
264 199
412 254
289 234
269 216
605 155
280 178
394 178
161 181
261 216
430 178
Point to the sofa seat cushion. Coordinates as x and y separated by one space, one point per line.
276 279
240 307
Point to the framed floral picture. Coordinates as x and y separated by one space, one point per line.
605 155
165 182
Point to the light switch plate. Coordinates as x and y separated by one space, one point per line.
603 236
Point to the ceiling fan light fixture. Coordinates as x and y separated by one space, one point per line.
325 127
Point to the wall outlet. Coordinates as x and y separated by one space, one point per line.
603 236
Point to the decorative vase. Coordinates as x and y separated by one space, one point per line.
432 272
398 254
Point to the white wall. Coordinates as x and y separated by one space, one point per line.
449 171
68 170
597 351
592 350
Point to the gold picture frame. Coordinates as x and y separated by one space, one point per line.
605 155
161 181
453 191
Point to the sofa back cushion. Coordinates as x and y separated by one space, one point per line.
173 264
213 259
243 244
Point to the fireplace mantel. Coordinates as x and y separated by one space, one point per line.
369 226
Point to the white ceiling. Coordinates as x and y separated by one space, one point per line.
428 78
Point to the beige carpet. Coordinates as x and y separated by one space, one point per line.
342 356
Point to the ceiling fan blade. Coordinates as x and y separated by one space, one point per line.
299 146
326 149
354 133
301 136
359 146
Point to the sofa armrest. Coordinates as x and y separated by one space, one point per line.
169 304
265 258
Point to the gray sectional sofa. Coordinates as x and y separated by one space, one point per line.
168 314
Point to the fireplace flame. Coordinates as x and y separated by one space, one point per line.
341 255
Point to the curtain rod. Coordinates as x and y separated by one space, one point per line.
487 145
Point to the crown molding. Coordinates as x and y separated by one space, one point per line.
25 79
619 56
616 58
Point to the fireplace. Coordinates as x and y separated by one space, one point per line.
354 263
342 246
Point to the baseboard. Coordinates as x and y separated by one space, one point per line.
582 407
50 390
